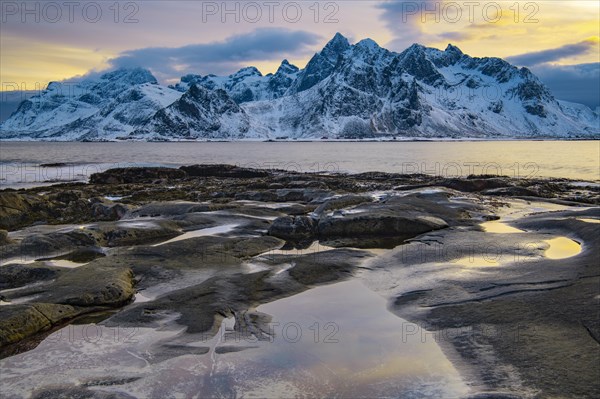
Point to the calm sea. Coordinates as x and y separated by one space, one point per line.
25 163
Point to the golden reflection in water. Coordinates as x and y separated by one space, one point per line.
496 226
589 220
561 248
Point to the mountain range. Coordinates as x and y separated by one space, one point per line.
346 91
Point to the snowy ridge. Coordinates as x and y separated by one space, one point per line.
345 91
198 113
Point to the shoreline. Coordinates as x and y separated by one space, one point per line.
395 223
316 140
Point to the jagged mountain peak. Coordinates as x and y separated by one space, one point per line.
287 68
196 92
368 44
247 71
336 46
338 40
135 75
414 48
450 48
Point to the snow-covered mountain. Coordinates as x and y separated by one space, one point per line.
345 91
247 84
363 90
95 109
198 113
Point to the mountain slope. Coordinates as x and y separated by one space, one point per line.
94 109
199 113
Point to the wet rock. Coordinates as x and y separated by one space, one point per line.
80 255
174 208
16 275
78 393
295 209
305 184
65 196
106 210
381 222
109 381
178 210
439 204
220 170
200 306
92 285
21 321
126 233
135 175
19 209
474 185
302 195
154 265
284 195
293 228
262 196
4 237
364 242
327 266
16 209
232 349
38 246
343 201
255 211
512 191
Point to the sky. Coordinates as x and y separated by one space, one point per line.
57 40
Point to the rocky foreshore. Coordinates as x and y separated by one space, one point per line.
141 247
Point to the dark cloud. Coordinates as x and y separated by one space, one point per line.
555 54
262 44
577 83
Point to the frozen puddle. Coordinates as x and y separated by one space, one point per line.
561 248
63 263
140 298
138 224
331 341
496 226
314 248
226 228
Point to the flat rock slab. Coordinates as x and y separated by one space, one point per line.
91 285
21 321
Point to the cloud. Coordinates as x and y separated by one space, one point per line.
456 36
403 19
577 83
216 57
555 54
